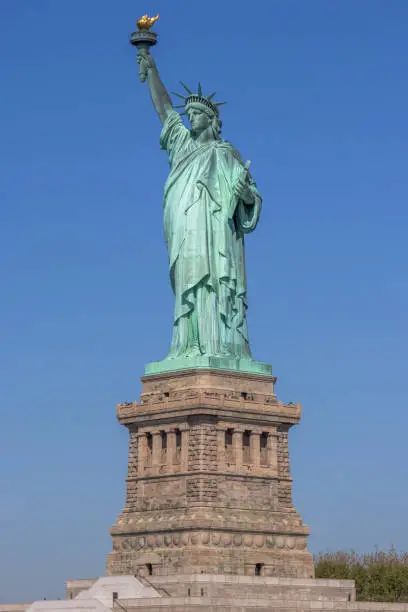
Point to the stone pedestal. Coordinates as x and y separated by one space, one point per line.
209 487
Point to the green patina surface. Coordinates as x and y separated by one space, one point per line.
204 362
210 202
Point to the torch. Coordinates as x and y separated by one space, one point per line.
143 38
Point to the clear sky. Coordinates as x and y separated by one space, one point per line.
318 100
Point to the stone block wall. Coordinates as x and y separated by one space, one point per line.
209 487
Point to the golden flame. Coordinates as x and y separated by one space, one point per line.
146 22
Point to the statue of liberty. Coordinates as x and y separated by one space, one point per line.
210 203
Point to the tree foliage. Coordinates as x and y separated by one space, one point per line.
379 576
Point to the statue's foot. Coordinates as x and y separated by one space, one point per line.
194 351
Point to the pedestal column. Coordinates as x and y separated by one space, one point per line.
272 451
171 450
157 450
221 449
237 448
142 451
184 450
255 448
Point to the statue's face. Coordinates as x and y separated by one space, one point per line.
199 120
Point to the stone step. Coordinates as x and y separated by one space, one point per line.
194 604
237 587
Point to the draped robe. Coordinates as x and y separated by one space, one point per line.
204 226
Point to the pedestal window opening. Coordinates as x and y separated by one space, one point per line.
264 449
246 442
149 444
163 446
228 446
258 569
177 458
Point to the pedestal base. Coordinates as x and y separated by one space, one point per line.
209 486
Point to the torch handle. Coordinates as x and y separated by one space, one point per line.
142 72
143 40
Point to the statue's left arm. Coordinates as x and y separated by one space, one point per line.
248 201
245 188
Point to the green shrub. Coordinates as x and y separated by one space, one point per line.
379 576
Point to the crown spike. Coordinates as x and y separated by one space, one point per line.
199 90
179 95
219 103
186 88
211 95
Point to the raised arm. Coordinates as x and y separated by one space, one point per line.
160 97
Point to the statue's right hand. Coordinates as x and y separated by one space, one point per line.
146 63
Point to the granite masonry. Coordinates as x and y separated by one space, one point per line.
209 487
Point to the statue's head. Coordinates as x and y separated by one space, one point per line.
202 112
202 119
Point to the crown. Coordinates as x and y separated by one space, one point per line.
198 98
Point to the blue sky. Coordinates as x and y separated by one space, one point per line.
317 97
